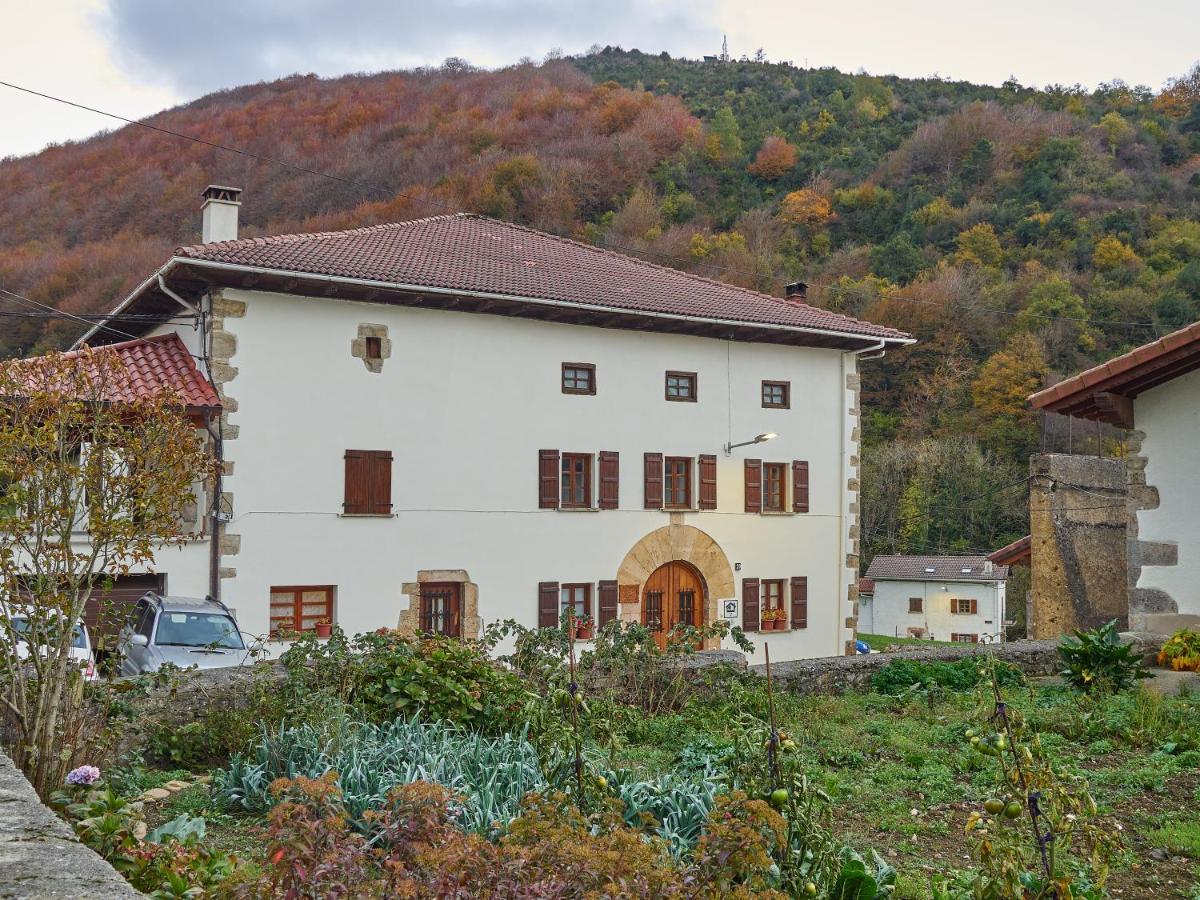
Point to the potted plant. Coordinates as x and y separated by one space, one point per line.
324 628
768 620
584 627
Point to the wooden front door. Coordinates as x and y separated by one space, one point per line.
441 608
673 595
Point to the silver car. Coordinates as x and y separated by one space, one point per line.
184 631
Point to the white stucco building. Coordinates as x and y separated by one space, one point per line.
941 598
453 421
1153 394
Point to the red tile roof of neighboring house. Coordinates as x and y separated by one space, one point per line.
934 568
159 362
1017 553
470 253
866 586
1098 393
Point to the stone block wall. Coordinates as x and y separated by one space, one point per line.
1078 522
40 856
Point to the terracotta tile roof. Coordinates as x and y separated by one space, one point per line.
474 253
156 362
1127 376
866 586
933 568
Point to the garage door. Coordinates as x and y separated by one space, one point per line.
108 608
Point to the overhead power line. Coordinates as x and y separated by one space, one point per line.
410 194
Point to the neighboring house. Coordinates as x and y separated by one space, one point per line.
866 606
942 598
1153 393
441 423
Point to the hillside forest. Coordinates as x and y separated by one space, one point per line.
1020 234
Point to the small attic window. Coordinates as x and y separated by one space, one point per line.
930 569
374 348
966 570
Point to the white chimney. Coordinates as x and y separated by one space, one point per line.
219 214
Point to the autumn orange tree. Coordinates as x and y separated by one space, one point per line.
91 486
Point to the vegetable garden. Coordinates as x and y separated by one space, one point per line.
387 766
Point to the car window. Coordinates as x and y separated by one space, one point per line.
145 625
185 629
80 641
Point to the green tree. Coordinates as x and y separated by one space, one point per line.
979 245
71 457
1000 395
899 260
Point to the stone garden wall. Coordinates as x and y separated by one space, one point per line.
847 673
40 857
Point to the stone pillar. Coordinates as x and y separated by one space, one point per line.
1078 524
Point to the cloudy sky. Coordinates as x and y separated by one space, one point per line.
135 57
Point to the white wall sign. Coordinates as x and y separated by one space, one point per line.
729 609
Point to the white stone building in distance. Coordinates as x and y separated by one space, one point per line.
941 598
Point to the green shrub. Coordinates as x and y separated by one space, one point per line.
904 675
384 675
1099 661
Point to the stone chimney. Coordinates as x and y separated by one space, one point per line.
219 214
796 291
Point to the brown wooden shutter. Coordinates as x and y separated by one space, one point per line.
548 604
610 479
654 480
708 481
548 479
379 482
800 601
754 485
800 486
749 604
357 492
974 606
606 608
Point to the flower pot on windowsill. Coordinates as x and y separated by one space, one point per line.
583 633
324 629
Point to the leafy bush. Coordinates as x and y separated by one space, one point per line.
550 850
1097 660
905 675
384 675
171 862
1181 652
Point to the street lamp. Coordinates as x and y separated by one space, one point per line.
758 439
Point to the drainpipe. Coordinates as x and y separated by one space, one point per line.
872 352
214 549
162 286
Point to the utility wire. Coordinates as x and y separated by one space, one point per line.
409 194
24 299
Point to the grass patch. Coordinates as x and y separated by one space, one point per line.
1179 836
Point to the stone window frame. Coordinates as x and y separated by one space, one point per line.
359 346
409 622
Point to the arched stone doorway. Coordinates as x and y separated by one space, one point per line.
676 544
674 594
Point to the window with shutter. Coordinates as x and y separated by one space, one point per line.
754 485
653 480
576 480
610 479
678 482
800 486
800 601
547 604
749 604
708 481
548 479
368 484
607 605
774 486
